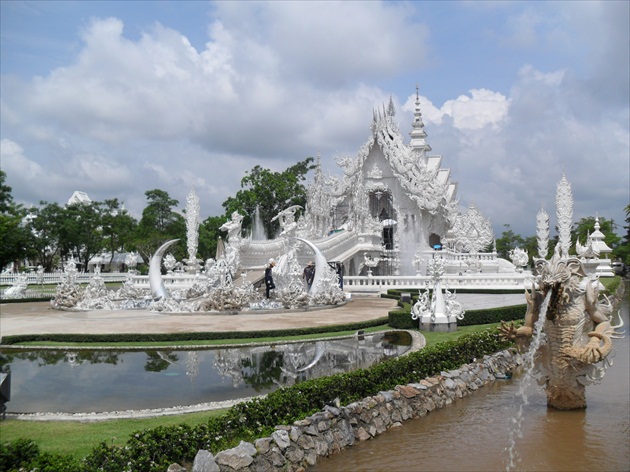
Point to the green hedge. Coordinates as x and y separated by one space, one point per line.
27 300
493 315
401 319
178 337
395 292
156 448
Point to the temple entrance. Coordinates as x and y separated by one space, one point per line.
388 238
435 242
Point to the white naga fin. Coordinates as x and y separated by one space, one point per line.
158 290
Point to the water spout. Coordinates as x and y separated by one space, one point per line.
258 230
538 338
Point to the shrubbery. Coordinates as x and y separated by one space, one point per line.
401 319
493 315
23 454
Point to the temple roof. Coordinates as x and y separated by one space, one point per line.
79 197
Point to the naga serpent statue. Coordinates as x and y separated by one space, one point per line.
576 327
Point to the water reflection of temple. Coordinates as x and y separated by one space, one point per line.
283 365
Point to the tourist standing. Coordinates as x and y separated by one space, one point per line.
309 275
269 285
340 272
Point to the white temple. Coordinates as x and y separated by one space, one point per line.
394 209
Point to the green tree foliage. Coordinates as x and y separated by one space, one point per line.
622 251
16 239
509 240
118 226
81 233
530 244
583 228
272 192
160 223
45 224
209 234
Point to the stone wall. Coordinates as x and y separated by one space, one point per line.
296 447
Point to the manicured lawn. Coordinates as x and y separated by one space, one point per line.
79 438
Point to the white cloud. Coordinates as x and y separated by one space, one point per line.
482 108
511 169
279 81
14 161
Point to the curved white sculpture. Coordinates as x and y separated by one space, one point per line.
158 290
320 265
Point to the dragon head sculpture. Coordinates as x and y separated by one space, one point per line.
561 275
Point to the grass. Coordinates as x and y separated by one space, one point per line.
77 438
611 283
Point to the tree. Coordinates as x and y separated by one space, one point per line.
530 244
209 234
16 239
159 223
118 226
583 228
81 231
622 251
44 223
508 241
271 192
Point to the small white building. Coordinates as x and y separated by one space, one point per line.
79 197
604 269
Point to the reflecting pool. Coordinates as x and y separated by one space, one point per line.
67 381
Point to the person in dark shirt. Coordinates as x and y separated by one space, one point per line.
269 285
309 275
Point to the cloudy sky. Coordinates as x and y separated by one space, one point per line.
117 98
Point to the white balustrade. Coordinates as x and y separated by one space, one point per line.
56 277
476 281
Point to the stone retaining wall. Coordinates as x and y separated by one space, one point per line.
296 447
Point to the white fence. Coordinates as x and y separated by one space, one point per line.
33 278
352 284
376 283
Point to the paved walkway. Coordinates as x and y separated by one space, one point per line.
40 318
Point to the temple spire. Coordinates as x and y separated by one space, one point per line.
418 135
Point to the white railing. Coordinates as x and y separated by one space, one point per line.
377 283
176 280
33 278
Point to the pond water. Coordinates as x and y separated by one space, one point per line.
97 381
473 433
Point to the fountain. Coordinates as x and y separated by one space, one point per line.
258 231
